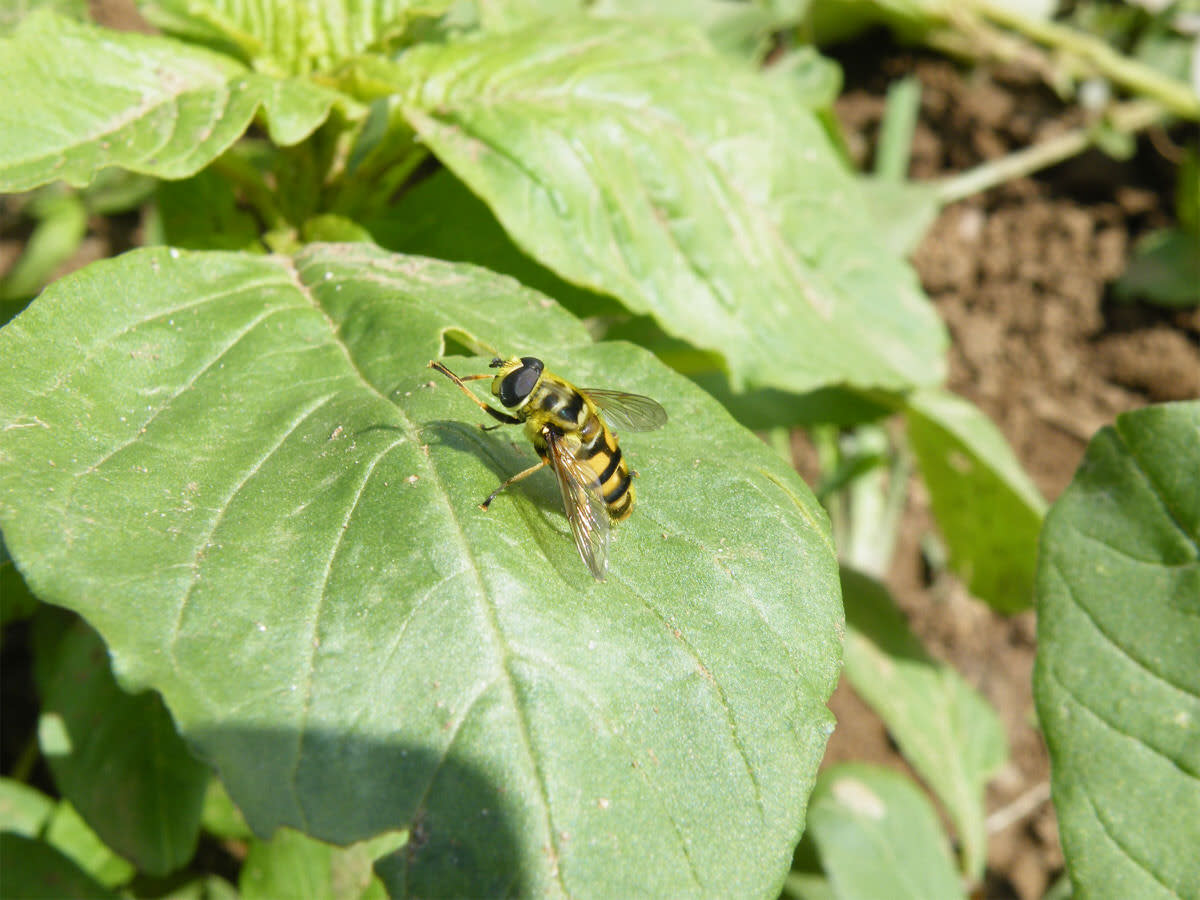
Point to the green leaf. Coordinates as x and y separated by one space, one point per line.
13 12
206 887
1116 681
203 213
220 815
253 488
743 29
440 217
23 810
816 79
135 116
69 833
16 601
34 870
281 37
61 223
878 836
946 730
147 805
988 510
292 865
634 160
903 211
1165 270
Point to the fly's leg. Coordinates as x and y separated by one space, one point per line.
502 418
518 477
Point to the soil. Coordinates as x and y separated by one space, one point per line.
1022 277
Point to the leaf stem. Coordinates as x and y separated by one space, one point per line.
1127 118
26 760
1136 77
243 175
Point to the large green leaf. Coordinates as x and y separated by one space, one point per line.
239 470
153 104
440 217
878 836
988 510
946 730
635 160
143 795
1116 681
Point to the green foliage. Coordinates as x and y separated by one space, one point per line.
40 872
704 209
1116 682
987 508
946 731
1165 269
147 807
292 865
135 117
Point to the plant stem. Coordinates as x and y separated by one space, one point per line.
243 175
1173 95
23 766
780 440
1127 117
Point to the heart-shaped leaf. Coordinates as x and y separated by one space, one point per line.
633 159
239 470
1116 681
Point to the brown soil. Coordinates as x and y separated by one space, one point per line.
1020 275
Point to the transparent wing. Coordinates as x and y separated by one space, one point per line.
633 412
586 511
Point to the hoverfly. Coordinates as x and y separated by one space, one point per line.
567 428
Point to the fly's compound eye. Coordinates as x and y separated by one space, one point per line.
518 383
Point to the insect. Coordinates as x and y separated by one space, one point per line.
567 428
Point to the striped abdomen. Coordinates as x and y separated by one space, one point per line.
556 404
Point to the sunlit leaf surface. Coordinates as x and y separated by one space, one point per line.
154 105
239 470
633 159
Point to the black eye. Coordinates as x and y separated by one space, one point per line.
518 383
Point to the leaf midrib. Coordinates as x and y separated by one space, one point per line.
503 650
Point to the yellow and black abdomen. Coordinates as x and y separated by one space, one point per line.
556 404
600 451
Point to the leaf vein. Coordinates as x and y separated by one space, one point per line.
723 701
221 510
314 636
1116 729
488 608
